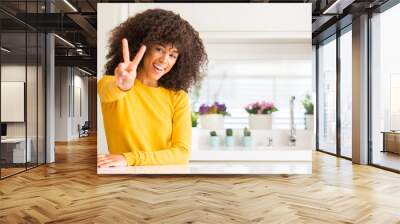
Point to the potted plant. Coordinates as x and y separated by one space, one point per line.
309 112
260 114
195 119
229 139
212 116
214 139
247 138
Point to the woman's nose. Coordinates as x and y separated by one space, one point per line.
163 58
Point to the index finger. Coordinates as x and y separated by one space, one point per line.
139 55
125 50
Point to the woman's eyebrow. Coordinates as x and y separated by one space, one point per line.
166 47
173 50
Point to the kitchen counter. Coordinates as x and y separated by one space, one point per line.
232 160
216 168
278 153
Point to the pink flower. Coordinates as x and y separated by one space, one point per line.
261 107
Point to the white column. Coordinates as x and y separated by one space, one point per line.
50 99
360 90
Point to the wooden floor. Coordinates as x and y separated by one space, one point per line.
70 191
10 171
387 159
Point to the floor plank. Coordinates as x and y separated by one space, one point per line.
70 191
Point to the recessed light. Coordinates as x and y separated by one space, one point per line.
86 72
5 50
64 40
71 6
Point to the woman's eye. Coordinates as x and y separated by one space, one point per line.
174 56
158 49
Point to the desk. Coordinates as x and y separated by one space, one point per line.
13 150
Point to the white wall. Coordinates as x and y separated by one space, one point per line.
244 32
61 103
390 66
33 127
17 73
14 73
67 101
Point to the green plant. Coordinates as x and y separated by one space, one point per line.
246 132
229 132
308 105
195 119
213 133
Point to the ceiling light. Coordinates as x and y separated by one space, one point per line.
86 72
71 6
5 50
337 7
64 40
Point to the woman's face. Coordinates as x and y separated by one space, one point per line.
159 60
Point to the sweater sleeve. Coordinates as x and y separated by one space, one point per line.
181 139
108 90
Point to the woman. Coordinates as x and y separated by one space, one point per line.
144 100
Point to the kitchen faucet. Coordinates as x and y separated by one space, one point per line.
292 132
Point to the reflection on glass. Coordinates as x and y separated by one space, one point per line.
22 89
327 96
346 94
31 97
385 88
41 99
13 74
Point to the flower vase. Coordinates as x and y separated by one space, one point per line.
212 121
309 122
260 121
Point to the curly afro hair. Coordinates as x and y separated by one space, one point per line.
158 26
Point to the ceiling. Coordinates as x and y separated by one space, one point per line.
76 21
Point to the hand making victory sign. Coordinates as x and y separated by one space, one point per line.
126 71
125 74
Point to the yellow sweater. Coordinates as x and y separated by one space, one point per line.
148 125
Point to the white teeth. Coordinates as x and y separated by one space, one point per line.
159 68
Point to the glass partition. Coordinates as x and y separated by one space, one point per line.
22 67
346 92
31 97
385 88
327 96
14 154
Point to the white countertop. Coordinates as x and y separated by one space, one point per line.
216 168
232 160
279 153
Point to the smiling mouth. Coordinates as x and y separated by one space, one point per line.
158 68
